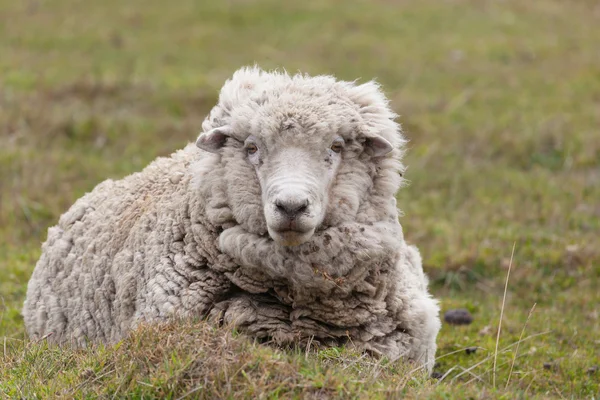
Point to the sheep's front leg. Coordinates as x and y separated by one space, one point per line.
334 252
337 250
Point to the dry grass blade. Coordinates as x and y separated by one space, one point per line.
194 390
376 368
96 378
355 361
529 385
2 309
46 336
468 370
484 373
502 314
308 344
501 351
475 376
411 372
517 349
447 373
455 352
558 392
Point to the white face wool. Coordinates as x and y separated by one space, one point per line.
284 225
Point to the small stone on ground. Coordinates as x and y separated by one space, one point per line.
459 316
436 375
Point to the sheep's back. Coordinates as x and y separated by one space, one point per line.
90 277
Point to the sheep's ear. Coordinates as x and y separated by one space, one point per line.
213 140
376 146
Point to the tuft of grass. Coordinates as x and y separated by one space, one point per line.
191 358
500 103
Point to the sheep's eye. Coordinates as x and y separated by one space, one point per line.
337 147
251 148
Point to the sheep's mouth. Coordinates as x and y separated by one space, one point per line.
291 237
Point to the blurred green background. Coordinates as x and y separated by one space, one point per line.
500 100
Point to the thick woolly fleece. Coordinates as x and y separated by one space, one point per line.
187 237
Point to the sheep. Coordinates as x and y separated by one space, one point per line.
281 220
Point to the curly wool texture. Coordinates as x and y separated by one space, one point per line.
187 237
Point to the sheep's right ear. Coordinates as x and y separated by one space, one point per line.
213 140
377 146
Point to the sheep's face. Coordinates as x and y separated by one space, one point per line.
295 180
296 166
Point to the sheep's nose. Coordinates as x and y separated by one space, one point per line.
290 208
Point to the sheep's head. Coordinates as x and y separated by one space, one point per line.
301 149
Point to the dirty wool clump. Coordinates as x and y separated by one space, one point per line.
280 220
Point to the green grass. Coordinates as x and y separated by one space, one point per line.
500 101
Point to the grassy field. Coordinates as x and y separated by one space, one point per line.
500 101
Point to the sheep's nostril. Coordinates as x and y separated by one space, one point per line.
291 208
280 207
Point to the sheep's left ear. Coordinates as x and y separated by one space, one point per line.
213 140
376 146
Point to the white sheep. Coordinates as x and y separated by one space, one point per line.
281 220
